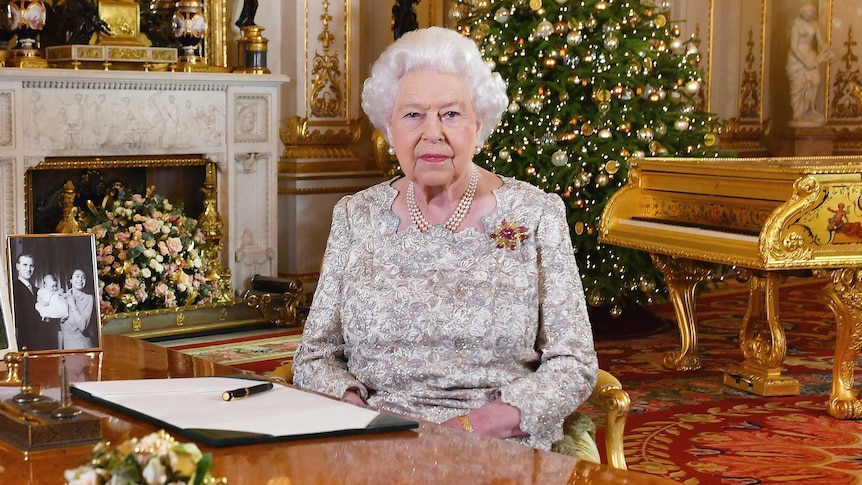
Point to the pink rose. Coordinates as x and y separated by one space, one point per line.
175 244
151 225
113 290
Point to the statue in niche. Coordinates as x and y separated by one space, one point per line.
404 17
246 16
807 52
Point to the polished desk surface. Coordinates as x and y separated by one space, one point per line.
429 454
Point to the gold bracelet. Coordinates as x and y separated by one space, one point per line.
465 422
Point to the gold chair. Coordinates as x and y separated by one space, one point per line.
608 394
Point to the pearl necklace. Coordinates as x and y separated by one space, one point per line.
456 218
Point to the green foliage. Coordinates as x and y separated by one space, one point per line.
592 84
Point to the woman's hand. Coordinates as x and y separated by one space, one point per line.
496 419
352 396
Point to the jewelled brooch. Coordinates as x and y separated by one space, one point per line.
509 235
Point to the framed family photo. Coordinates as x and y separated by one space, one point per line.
54 292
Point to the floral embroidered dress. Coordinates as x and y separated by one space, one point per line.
433 325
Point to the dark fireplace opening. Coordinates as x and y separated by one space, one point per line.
179 179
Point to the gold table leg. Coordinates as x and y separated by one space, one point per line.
763 343
844 297
682 277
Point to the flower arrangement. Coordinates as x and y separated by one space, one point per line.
154 459
509 235
149 254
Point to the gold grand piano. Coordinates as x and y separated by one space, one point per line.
770 216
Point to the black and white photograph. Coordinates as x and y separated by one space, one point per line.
54 292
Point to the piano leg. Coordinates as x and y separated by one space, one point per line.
763 343
682 277
843 294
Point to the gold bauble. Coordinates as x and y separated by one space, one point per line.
709 139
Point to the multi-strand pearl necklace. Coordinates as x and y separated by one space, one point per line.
456 218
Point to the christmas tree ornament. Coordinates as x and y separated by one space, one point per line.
602 179
660 128
505 154
692 88
560 158
612 167
605 133
645 134
574 38
681 124
709 139
502 15
514 107
544 29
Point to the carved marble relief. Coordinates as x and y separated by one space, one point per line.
123 121
252 119
7 138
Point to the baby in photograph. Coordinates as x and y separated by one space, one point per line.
50 301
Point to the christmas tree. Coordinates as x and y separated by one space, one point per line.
592 84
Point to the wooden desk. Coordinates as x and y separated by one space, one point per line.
429 454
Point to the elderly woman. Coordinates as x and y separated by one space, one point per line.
450 294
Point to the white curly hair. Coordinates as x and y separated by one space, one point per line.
440 50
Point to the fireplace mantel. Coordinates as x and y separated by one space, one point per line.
229 118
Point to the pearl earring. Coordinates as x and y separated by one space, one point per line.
391 151
478 150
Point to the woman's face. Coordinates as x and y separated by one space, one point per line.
433 128
79 280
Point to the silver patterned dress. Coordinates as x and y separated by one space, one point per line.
432 325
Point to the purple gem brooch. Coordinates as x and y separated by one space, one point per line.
509 235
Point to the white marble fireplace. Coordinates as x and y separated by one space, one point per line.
228 118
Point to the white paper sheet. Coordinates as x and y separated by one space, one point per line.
196 403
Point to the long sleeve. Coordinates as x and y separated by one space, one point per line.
568 367
81 312
320 363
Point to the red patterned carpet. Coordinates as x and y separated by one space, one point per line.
688 426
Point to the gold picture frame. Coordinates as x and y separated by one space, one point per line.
55 293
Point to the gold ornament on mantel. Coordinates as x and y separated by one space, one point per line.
124 22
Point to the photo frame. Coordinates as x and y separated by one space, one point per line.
54 292
7 328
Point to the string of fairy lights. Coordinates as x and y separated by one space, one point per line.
592 84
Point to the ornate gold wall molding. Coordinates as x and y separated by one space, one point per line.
303 139
326 129
847 88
